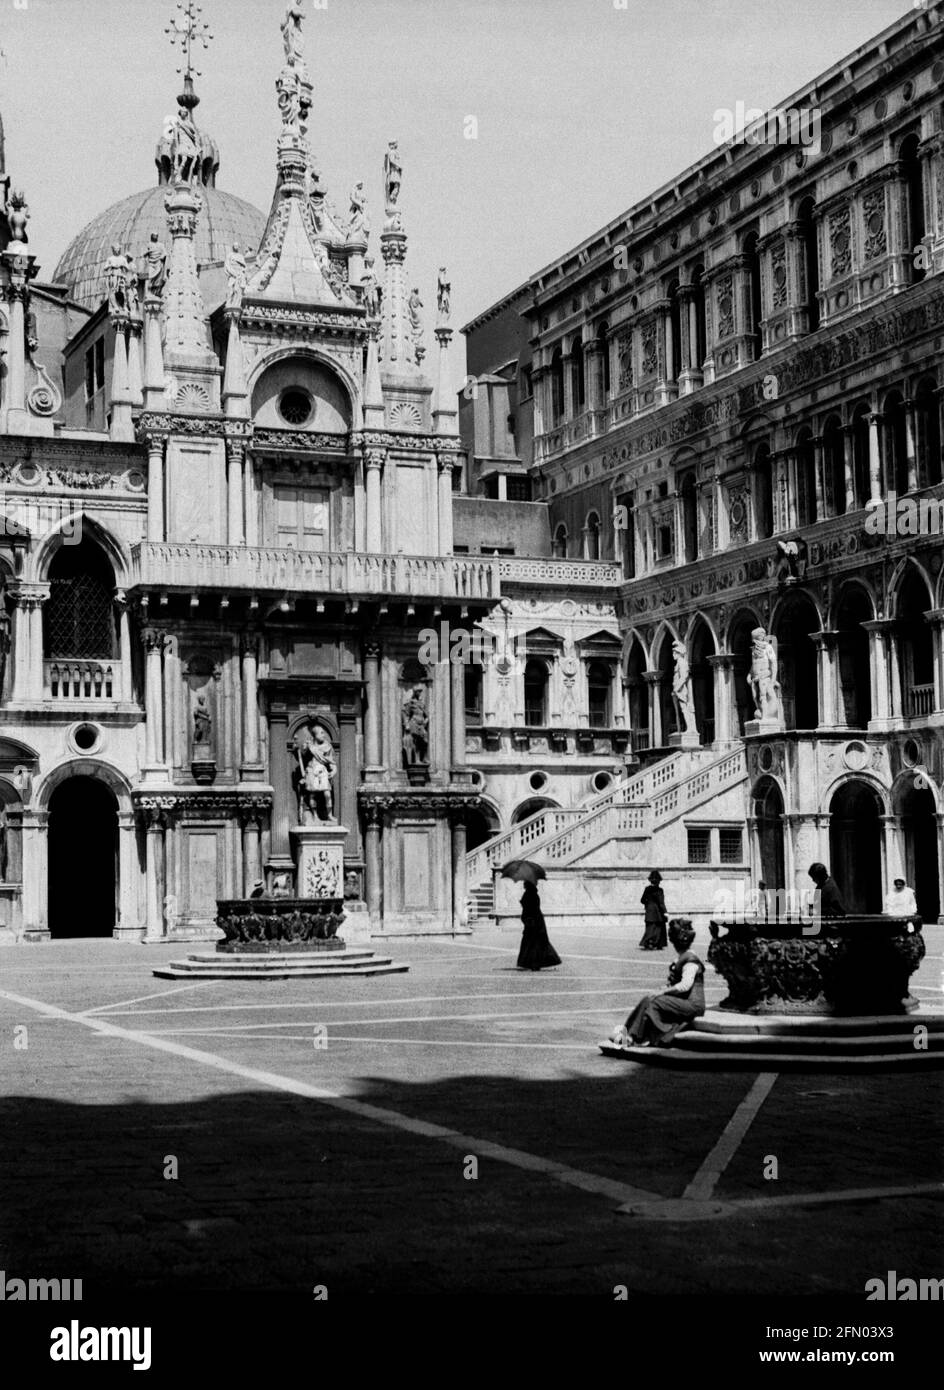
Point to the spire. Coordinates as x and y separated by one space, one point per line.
445 414
293 263
402 348
188 356
188 28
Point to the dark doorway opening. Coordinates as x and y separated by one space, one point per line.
83 859
768 812
919 822
855 849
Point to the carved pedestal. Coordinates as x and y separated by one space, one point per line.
319 873
689 739
767 727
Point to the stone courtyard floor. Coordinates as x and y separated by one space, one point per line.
452 1130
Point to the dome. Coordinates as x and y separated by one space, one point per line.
223 219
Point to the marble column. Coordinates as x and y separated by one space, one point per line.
372 750
251 818
726 730
235 492
653 680
154 644
374 867
155 511
15 394
446 463
374 462
155 874
250 688
457 679
124 690
819 455
875 459
935 618
459 878
284 812
848 464
911 452
826 644
878 630
250 501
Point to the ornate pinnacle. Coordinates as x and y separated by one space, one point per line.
186 28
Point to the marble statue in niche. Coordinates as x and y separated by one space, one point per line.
415 724
316 770
763 676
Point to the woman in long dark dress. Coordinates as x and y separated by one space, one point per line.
536 952
653 901
657 1018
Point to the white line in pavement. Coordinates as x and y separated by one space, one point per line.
706 1179
482 1148
571 955
413 1042
848 1194
143 998
383 1022
362 1003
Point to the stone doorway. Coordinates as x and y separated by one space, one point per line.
83 859
855 847
919 823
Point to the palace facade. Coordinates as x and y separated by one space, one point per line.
715 395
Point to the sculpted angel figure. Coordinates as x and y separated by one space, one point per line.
235 267
293 36
17 217
763 677
682 689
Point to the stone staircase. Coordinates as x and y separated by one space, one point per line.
637 820
279 965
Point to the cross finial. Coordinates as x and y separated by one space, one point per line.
188 27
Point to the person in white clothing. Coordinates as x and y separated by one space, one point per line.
900 902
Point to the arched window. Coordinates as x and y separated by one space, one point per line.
78 619
913 172
806 479
557 386
896 448
593 537
689 495
835 467
928 422
603 337
535 693
674 348
600 688
559 544
579 375
473 694
755 302
699 340
763 493
860 454
810 243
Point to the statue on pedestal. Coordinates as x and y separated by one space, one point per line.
762 678
236 276
116 280
185 147
293 36
156 266
202 725
682 690
18 214
316 771
131 287
393 177
359 226
415 721
415 309
371 289
443 298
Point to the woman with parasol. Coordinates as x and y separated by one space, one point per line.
536 952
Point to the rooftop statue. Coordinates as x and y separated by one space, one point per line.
293 35
371 289
117 275
393 175
236 275
132 296
443 298
155 271
18 215
185 147
359 225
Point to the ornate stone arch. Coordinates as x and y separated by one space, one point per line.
308 353
98 770
89 528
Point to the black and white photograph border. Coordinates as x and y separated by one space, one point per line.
471 668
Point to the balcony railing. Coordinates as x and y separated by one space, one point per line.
67 679
920 700
561 572
172 565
